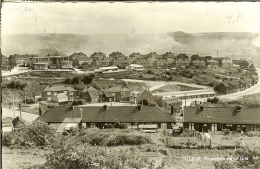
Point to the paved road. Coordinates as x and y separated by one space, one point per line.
6 112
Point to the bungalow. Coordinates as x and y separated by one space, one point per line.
205 119
103 116
90 94
50 90
82 60
117 55
98 56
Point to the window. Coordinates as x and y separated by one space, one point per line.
71 93
192 126
48 93
48 98
71 98
92 125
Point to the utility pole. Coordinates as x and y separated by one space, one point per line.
185 99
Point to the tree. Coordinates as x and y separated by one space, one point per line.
195 57
88 79
77 79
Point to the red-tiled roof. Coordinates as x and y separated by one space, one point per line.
111 114
225 115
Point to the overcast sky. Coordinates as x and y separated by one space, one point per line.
129 18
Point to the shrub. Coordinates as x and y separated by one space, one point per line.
76 155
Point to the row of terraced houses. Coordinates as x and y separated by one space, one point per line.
99 59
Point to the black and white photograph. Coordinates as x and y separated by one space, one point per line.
130 85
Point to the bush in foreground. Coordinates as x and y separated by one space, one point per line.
85 156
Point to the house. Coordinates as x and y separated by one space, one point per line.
198 64
235 86
60 98
168 55
50 90
195 57
243 64
205 119
103 116
212 64
119 93
120 63
136 55
102 62
161 63
117 55
50 62
90 94
135 67
144 62
255 79
79 59
172 103
5 63
106 96
151 56
206 58
224 62
18 123
98 56
248 81
20 60
180 63
145 97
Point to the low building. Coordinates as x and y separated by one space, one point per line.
145 97
153 56
168 55
204 119
106 96
103 116
181 63
136 55
243 64
172 103
90 94
144 62
50 62
50 90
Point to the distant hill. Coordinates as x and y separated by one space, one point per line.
178 42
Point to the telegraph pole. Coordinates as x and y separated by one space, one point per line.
185 99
